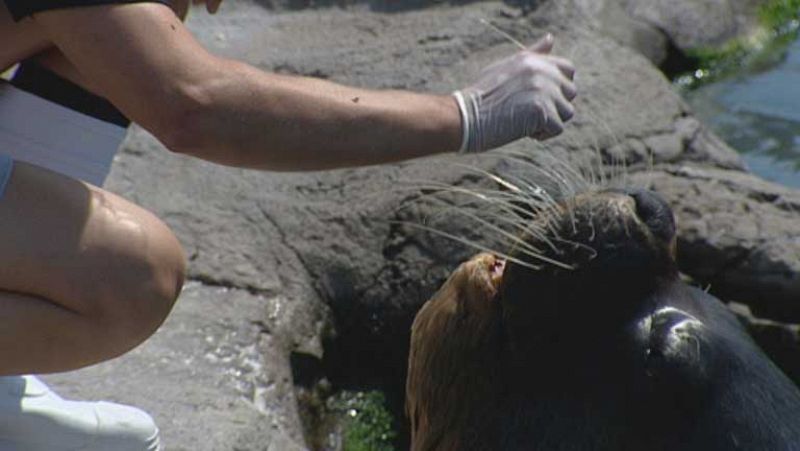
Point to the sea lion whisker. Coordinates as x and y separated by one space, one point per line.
534 192
550 224
579 179
499 180
596 119
502 33
527 248
565 186
492 227
489 197
573 220
473 244
536 232
576 244
627 229
524 160
522 224
585 173
438 189
533 195
593 234
466 212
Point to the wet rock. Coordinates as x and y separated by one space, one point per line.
610 18
691 24
781 341
215 377
665 31
737 233
325 265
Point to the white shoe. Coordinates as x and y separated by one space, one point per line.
34 418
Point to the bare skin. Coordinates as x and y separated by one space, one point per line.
86 275
231 113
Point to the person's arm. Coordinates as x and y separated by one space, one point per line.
142 58
19 40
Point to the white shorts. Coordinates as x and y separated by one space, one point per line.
6 166
46 134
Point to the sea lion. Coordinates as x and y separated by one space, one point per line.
610 350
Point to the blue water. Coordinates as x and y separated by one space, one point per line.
758 114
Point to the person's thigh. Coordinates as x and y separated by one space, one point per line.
88 251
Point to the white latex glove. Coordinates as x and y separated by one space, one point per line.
526 94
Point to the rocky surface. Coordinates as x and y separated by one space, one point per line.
215 376
697 23
738 235
320 268
666 31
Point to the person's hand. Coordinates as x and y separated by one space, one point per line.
526 94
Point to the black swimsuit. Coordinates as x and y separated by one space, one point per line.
39 81
20 9
53 123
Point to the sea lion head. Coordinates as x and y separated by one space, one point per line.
610 249
587 338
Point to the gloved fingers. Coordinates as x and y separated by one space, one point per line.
569 91
543 73
564 65
551 124
565 109
535 66
527 62
555 95
544 45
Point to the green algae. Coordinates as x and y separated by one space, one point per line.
367 423
779 21
346 420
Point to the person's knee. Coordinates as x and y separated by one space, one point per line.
167 273
154 297
141 286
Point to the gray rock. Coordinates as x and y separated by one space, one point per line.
610 18
215 377
738 234
690 24
325 265
665 31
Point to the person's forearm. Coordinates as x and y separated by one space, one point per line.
140 56
249 118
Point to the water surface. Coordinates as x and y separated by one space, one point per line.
758 114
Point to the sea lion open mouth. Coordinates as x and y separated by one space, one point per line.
496 271
585 338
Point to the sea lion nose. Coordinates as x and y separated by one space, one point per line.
653 211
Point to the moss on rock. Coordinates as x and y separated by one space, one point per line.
367 424
778 27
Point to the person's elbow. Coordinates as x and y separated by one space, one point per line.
176 122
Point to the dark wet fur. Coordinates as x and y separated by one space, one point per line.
616 354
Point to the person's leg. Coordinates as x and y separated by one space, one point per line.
84 274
